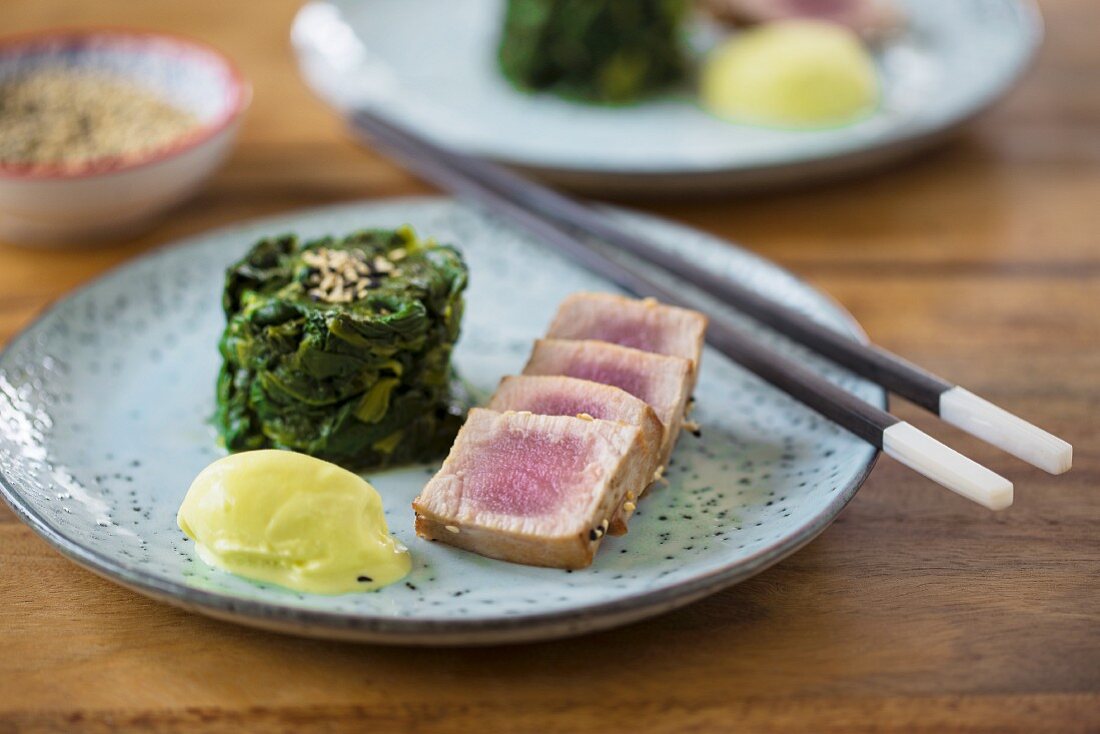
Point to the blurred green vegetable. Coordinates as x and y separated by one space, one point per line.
611 51
351 368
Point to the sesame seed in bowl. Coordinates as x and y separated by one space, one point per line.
74 119
103 130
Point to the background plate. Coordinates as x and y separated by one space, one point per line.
432 65
104 421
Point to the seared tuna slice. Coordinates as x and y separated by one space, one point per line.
556 395
663 381
874 20
641 324
531 489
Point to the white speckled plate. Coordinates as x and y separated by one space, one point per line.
104 421
431 64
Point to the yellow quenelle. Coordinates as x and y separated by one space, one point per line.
796 73
292 520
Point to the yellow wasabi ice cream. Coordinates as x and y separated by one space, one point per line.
793 73
292 520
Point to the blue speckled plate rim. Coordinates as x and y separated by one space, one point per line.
422 630
909 138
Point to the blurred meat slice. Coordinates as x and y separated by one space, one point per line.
871 19
641 324
663 381
556 395
531 489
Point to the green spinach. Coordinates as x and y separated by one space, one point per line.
605 51
359 375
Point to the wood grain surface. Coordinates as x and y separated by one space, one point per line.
917 611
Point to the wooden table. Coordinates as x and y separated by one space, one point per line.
916 611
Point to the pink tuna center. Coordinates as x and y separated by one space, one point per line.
635 334
526 474
561 404
616 375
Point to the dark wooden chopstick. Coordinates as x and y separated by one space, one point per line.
951 402
897 438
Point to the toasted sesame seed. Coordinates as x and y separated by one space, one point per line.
398 254
659 473
585 417
629 506
342 276
452 529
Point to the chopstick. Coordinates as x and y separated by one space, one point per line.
895 437
952 403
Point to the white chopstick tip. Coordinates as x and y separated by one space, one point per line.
981 418
942 464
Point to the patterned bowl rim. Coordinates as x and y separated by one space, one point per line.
179 48
420 630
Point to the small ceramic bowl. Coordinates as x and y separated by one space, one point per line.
53 205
